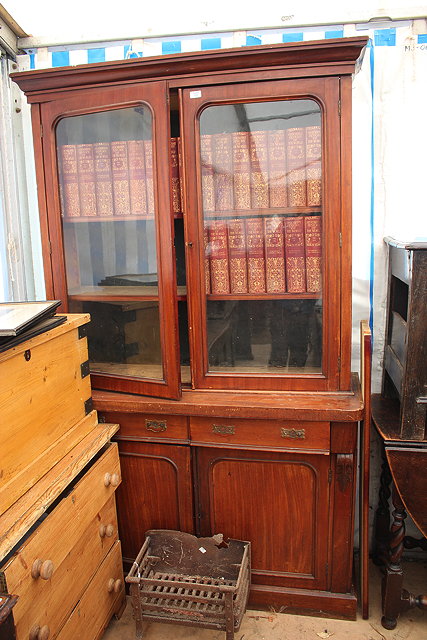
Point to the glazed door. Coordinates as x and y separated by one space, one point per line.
278 501
263 225
110 224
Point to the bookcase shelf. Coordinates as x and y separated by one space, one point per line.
118 294
265 296
251 213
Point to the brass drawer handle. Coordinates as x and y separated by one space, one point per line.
224 429
106 530
293 434
155 425
112 479
42 569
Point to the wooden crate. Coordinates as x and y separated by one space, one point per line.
45 405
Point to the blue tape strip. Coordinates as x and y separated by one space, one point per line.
422 38
292 37
60 58
32 60
371 217
385 37
171 46
337 33
96 55
253 40
210 43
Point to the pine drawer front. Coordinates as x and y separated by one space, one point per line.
42 398
104 596
48 603
261 434
79 531
152 427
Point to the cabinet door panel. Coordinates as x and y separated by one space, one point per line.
111 230
279 502
155 493
263 221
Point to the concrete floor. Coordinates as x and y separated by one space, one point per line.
262 625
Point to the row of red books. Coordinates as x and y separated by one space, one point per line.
112 178
261 169
263 255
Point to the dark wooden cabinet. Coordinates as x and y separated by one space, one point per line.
198 206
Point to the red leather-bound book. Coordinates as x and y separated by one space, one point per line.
207 259
259 169
237 256
220 278
223 171
295 152
274 255
208 191
295 255
314 167
103 179
176 189
86 174
277 168
255 255
120 171
313 252
70 181
241 169
137 189
149 176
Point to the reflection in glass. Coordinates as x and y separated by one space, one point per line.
261 180
105 166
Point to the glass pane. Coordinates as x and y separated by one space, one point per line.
105 164
261 173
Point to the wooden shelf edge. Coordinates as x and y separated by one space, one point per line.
17 520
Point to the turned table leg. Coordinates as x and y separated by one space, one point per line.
382 514
393 579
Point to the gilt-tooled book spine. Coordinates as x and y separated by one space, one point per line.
313 252
259 169
120 171
207 260
149 175
137 189
176 190
220 278
70 180
208 192
295 255
241 169
277 168
237 256
103 179
86 174
223 171
255 255
274 255
314 168
295 151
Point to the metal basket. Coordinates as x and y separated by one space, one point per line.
200 582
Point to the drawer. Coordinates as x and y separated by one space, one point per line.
48 603
104 596
55 563
261 434
149 426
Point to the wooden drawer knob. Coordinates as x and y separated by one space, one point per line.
42 569
112 479
106 530
39 633
114 585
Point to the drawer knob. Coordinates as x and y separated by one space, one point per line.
39 633
112 479
106 530
114 585
42 569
